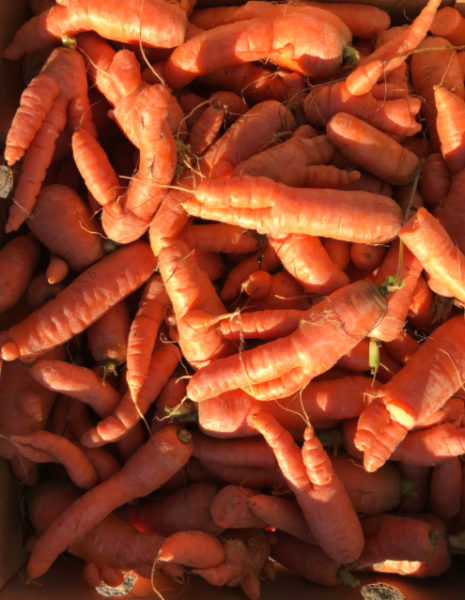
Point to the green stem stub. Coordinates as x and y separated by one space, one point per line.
350 56
346 577
69 42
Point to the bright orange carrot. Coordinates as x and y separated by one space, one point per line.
155 24
19 258
357 140
449 123
183 547
427 239
218 237
81 303
431 446
305 258
128 412
153 464
270 207
76 382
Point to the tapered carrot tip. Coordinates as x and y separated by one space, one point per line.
9 351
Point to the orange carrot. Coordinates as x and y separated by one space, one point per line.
431 446
329 176
307 261
229 508
338 251
270 207
76 307
450 24
357 140
153 464
19 258
76 382
57 270
283 514
367 257
449 123
155 24
218 237
108 336
435 179
182 548
128 412
427 239
446 488
43 446
241 452
421 311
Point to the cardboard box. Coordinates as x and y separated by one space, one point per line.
64 580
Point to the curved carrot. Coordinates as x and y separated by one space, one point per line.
153 464
182 548
81 303
43 446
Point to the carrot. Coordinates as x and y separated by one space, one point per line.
283 291
146 470
182 548
258 477
416 487
107 338
194 299
288 161
431 446
76 382
307 560
436 64
406 398
253 131
43 446
329 176
35 129
450 24
358 360
283 514
357 140
307 261
282 377
363 20
400 299
19 258
154 24
421 311
450 213
403 347
395 117
257 38
450 117
206 129
229 508
319 493
427 239
446 488
185 509
435 180
265 324
367 257
363 78
143 333
265 259
110 543
269 207
257 83
338 251
57 270
389 537
80 304
240 452
218 237
127 413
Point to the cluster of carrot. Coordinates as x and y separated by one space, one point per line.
232 289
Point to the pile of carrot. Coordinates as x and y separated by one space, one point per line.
232 290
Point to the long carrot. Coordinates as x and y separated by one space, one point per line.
18 260
81 303
153 464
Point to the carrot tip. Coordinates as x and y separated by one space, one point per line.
9 351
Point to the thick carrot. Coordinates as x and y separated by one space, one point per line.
81 303
266 324
197 549
62 221
19 258
320 494
427 239
155 23
367 257
411 394
421 311
229 508
357 140
329 176
57 270
435 180
153 464
396 117
108 336
431 446
185 509
308 262
270 207
450 24
218 237
77 382
449 123
450 212
43 447
241 452
355 308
